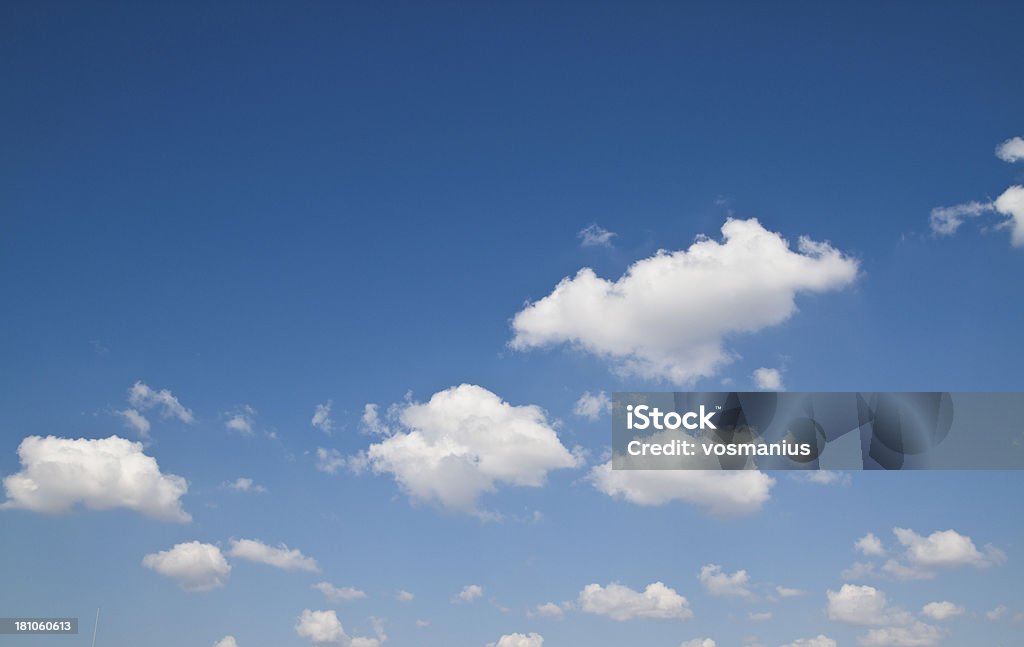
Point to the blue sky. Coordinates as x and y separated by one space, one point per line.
278 208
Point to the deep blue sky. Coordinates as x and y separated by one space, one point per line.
282 205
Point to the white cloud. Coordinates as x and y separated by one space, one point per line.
822 477
241 419
100 474
595 236
862 605
820 640
870 545
372 422
945 221
226 641
1012 150
282 557
469 593
548 610
1011 203
996 613
404 596
667 317
620 602
519 640
422 623
592 405
343 594
328 460
322 418
760 616
718 493
135 420
942 549
941 610
717 582
916 634
323 627
196 566
768 379
143 397
243 484
698 642
464 442
785 592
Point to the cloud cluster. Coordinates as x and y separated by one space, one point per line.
668 316
621 603
465 442
101 474
868 606
196 566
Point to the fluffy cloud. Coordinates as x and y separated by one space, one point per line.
323 627
241 420
242 484
322 418
916 634
519 640
279 557
1011 203
945 549
656 321
698 642
768 379
592 405
144 398
135 420
996 613
1012 150
595 236
329 460
862 605
870 545
820 640
371 420
196 566
100 474
717 582
464 442
469 593
620 602
718 493
941 610
404 596
945 221
344 594
226 641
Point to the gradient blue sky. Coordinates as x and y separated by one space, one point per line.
253 204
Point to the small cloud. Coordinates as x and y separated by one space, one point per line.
592 405
594 235
996 613
241 420
762 616
621 603
371 421
858 571
343 594
135 420
768 379
822 477
328 460
196 566
322 418
404 596
242 484
941 610
142 397
469 593
547 610
422 623
717 582
945 221
785 592
870 545
1012 150
282 557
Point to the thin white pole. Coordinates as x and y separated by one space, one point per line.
94 626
